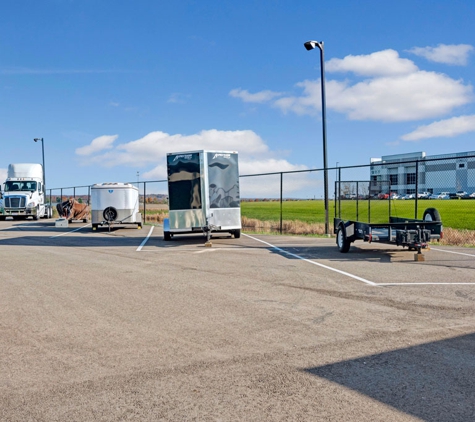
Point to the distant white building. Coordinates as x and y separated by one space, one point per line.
406 173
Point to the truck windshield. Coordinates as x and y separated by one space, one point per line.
12 186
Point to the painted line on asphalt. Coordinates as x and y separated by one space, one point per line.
425 284
71 231
145 240
457 253
313 262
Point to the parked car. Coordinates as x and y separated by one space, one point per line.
472 195
423 195
461 194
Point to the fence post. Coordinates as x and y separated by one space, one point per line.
144 201
281 190
336 190
389 198
339 192
357 203
417 189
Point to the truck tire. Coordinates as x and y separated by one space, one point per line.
341 240
237 233
431 214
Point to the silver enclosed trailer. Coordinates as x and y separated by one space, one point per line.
203 193
115 203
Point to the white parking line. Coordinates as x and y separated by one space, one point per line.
145 240
313 262
424 284
457 253
72 231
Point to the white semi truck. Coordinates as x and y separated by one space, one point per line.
24 193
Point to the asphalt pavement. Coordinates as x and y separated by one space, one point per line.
122 325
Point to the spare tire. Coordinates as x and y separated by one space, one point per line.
110 214
431 214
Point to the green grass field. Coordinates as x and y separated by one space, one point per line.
457 214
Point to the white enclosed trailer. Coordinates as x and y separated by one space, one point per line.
203 193
115 203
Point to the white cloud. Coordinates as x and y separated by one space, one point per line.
380 63
258 97
254 157
98 144
391 99
153 147
3 175
409 97
448 54
394 90
178 98
444 128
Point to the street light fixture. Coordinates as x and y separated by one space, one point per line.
310 45
43 153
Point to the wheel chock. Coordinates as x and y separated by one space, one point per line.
208 244
419 257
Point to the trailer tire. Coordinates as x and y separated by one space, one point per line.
237 233
341 240
167 236
110 214
431 214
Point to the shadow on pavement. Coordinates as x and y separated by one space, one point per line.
433 381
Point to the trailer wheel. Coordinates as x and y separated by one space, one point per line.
237 233
167 236
110 214
431 214
341 240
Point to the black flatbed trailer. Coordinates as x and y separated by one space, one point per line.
412 233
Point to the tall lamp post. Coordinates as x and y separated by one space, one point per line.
43 153
310 45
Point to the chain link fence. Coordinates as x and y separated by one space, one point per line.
367 193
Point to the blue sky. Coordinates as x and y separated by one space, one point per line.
112 86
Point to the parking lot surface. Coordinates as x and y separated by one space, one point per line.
121 325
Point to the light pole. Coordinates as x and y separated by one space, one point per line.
310 45
43 153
